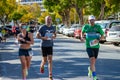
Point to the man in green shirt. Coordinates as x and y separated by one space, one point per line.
92 33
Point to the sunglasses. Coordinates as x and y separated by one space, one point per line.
24 27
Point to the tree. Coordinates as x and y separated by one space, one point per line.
41 19
16 16
29 12
63 8
6 9
113 7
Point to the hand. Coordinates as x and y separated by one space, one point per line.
82 39
22 39
45 38
53 37
96 41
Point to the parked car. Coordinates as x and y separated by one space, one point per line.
9 29
58 28
77 32
106 25
0 37
72 29
113 35
65 31
103 24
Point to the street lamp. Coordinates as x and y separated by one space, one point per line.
4 19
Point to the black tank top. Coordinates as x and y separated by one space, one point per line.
26 39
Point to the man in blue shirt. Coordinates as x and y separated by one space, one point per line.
47 33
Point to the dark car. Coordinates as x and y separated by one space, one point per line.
9 29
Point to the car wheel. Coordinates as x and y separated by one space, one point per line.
116 44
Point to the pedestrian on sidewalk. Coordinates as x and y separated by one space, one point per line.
47 33
92 33
14 30
25 40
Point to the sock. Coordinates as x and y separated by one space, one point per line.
94 74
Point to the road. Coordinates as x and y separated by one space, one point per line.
70 61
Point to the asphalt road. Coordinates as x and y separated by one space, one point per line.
70 61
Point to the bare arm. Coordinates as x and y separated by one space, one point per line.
54 35
20 38
31 38
82 36
102 37
40 37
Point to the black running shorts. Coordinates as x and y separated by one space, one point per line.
47 51
92 52
25 52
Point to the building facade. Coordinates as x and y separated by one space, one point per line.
24 2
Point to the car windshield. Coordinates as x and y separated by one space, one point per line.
115 24
115 28
103 25
75 25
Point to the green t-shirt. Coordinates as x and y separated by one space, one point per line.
92 33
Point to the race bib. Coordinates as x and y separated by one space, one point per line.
93 42
30 53
49 35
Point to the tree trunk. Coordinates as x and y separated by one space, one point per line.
101 15
80 15
63 17
67 13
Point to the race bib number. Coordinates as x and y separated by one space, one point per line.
30 53
93 42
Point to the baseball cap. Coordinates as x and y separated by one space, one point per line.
91 17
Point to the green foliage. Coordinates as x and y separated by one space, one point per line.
16 16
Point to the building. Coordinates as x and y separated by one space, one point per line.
24 2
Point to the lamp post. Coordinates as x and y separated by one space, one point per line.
4 19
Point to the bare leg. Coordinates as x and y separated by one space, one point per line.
28 59
24 66
44 60
92 63
50 65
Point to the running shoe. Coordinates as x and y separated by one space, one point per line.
50 77
26 72
89 72
42 69
95 78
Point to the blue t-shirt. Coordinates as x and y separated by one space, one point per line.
47 31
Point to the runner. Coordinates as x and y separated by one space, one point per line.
93 33
25 51
47 33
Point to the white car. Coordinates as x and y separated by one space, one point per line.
72 29
113 35
103 24
106 25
